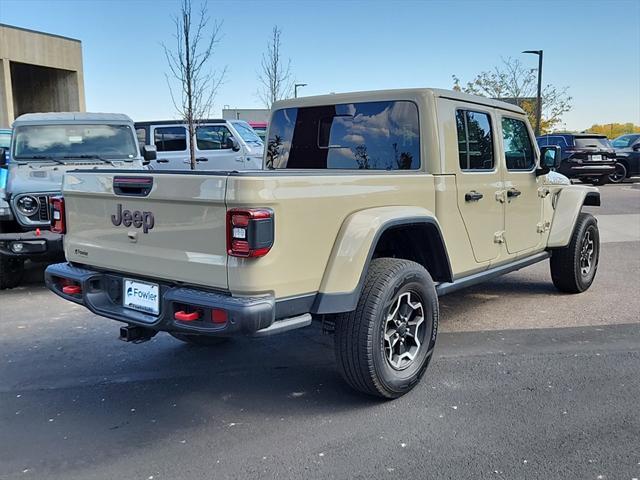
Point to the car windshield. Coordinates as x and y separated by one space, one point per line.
5 139
247 133
69 141
261 132
625 141
592 142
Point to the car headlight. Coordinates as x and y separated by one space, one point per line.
28 205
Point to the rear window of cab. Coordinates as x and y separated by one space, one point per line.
351 136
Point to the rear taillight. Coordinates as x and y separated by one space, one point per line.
57 215
250 232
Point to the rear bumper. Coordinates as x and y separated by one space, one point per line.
43 246
102 294
586 169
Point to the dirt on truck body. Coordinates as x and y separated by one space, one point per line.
369 207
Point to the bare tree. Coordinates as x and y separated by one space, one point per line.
189 66
275 74
515 81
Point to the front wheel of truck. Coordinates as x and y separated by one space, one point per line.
574 267
384 346
11 272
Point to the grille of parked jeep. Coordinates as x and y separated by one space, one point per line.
43 213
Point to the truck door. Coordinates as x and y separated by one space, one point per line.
523 204
214 146
478 180
171 144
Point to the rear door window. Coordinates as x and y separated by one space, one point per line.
213 137
518 149
475 140
545 141
170 139
354 136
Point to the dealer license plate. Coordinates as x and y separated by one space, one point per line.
141 296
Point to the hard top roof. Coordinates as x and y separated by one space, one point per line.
179 122
379 95
64 117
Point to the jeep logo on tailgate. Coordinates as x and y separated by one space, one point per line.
136 218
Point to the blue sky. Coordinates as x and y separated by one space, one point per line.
593 47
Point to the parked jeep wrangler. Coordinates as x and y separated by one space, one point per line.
370 207
44 146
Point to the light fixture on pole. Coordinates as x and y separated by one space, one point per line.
295 89
539 100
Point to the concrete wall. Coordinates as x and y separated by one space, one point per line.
246 114
39 72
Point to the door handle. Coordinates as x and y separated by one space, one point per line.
202 159
472 196
512 193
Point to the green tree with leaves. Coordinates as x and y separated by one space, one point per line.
514 81
613 130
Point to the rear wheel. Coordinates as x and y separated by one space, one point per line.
11 272
620 173
200 340
384 346
574 267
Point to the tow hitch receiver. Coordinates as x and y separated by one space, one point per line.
135 334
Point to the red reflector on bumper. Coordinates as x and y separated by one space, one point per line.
219 316
186 317
71 289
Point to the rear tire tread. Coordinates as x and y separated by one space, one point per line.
355 335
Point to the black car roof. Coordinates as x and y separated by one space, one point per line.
589 135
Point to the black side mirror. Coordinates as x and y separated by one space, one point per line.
149 152
636 147
233 144
3 157
550 157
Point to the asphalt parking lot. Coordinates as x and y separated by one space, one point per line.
525 383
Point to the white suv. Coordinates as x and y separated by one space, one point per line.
219 145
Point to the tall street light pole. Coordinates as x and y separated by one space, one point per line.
539 100
295 89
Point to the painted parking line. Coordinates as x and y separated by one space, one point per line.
619 228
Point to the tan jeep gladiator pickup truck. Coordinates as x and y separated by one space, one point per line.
370 206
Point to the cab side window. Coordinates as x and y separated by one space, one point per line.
170 139
518 149
213 137
141 133
475 140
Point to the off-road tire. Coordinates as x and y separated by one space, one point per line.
566 269
200 340
11 272
360 335
620 174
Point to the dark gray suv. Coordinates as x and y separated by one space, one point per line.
627 157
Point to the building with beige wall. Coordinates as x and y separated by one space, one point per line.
39 72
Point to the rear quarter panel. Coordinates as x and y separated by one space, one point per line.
310 211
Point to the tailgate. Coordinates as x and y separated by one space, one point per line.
176 231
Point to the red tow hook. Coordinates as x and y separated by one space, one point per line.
72 289
186 317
